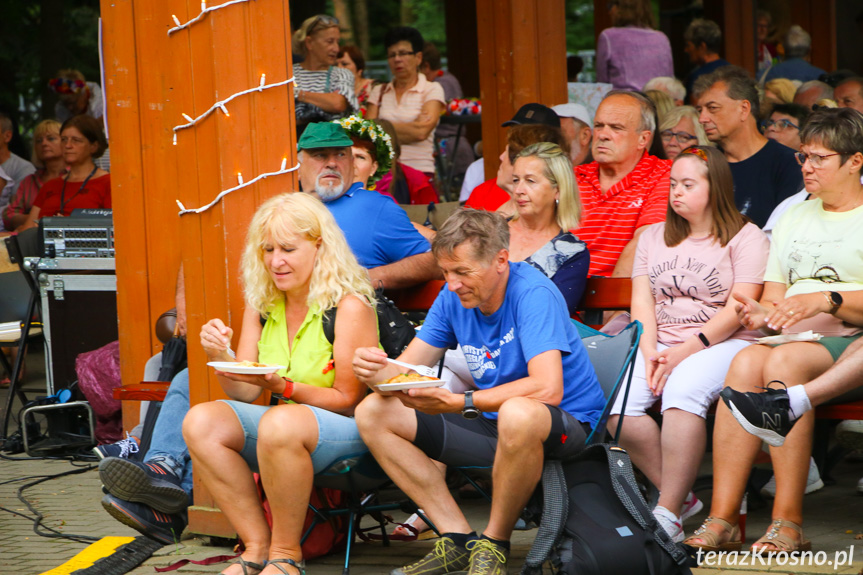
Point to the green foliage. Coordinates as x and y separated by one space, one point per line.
37 38
579 26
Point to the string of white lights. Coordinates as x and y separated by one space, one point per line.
204 11
242 184
220 105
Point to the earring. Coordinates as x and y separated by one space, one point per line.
556 201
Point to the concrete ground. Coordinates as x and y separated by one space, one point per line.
70 505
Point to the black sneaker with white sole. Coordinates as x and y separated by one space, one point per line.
152 483
765 415
163 527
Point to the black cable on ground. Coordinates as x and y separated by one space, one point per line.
37 517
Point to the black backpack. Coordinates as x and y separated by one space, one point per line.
396 331
595 521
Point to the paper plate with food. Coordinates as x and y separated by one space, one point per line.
409 381
245 367
790 338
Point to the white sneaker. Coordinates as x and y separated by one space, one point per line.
849 433
669 522
813 482
691 506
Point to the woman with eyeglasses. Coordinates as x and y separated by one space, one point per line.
680 129
814 281
784 124
85 185
410 101
322 91
684 273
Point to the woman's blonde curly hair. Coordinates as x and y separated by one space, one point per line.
336 272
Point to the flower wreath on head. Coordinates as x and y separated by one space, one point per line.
369 130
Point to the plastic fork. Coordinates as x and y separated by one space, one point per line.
420 369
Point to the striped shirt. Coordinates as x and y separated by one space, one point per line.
341 81
610 219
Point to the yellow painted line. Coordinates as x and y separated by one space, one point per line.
104 547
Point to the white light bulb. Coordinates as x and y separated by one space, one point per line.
175 138
176 20
188 118
240 178
224 109
284 164
263 79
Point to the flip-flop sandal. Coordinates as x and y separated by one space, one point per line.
249 567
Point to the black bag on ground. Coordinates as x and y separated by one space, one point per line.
595 521
396 331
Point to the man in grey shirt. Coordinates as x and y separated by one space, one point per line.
14 166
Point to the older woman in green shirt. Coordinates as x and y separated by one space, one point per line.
296 265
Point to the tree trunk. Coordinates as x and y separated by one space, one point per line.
406 13
342 11
52 50
361 21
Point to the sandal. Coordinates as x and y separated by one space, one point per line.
249 567
781 541
301 566
711 539
408 531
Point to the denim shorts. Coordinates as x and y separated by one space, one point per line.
338 436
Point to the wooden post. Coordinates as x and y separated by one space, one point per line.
151 80
522 59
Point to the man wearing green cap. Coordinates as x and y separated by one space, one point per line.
378 231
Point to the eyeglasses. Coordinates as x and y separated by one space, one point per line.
780 124
815 160
323 19
697 152
394 55
682 137
74 140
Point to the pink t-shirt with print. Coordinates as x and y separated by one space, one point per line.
692 281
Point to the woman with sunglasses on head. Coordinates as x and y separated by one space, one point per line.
410 101
85 185
679 129
814 281
322 90
685 271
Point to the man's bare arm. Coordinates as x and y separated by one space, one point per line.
408 272
623 268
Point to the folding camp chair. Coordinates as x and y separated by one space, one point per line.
361 478
612 357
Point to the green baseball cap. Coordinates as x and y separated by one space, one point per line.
324 135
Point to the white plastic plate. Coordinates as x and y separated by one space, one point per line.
403 385
235 367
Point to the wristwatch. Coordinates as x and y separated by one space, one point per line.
835 300
470 411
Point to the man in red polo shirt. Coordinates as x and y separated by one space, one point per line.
624 189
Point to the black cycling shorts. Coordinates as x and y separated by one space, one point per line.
459 442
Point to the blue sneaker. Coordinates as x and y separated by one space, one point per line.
152 483
163 527
122 449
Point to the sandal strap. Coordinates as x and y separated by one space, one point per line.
781 541
710 537
300 566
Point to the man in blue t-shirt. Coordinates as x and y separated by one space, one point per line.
537 395
377 229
